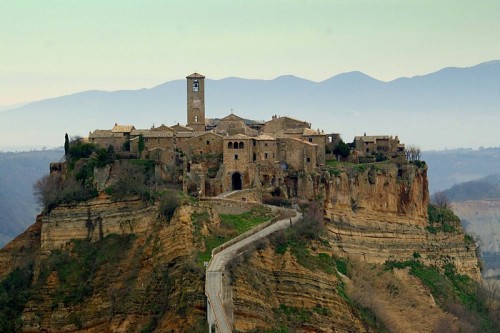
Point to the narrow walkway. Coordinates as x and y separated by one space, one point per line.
225 194
216 315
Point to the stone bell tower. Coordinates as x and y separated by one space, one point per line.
196 101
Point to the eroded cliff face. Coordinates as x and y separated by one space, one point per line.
372 214
142 275
380 213
152 282
273 291
95 219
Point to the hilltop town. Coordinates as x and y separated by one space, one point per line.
234 153
239 225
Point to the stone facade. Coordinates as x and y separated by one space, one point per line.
233 153
196 101
205 143
377 144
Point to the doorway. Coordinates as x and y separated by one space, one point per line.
236 181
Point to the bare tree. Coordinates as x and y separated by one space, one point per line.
46 189
413 153
440 199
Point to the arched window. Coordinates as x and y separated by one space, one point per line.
241 145
229 145
235 145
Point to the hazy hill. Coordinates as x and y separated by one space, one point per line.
477 203
450 167
452 107
18 172
481 189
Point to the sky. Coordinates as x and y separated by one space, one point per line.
53 48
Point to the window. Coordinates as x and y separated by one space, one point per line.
265 156
229 145
208 143
196 85
235 145
241 145
310 139
235 157
254 157
195 119
308 159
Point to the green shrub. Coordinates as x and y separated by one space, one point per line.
342 149
52 190
277 201
379 157
441 219
15 291
76 268
169 202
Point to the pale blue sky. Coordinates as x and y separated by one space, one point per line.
53 48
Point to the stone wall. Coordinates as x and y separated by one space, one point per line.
208 143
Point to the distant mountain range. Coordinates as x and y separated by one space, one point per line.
453 107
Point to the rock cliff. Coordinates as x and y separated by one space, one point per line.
141 274
380 213
140 271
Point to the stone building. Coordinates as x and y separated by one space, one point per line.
204 143
232 153
377 144
118 137
196 102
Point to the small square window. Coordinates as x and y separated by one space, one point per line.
310 139
308 160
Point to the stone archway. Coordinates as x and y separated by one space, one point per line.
236 181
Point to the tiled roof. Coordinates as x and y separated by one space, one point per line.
289 118
180 128
195 76
122 128
232 117
162 127
238 137
198 134
185 134
301 141
101 134
265 137
372 138
311 132
152 133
